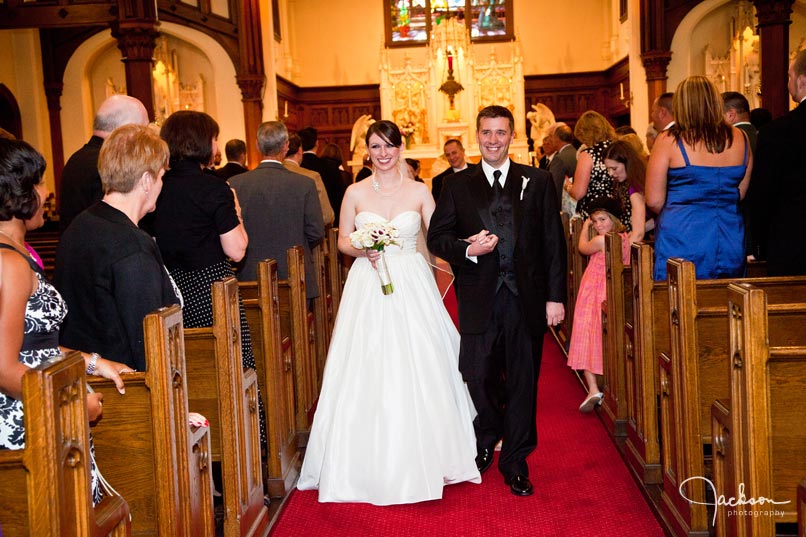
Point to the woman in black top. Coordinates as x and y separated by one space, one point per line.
108 270
197 222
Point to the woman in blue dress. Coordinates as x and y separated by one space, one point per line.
698 172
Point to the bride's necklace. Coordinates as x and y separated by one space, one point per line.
14 241
376 186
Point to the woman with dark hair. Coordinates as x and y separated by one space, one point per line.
698 172
109 271
394 422
628 170
31 309
197 222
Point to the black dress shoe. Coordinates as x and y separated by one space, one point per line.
484 460
520 485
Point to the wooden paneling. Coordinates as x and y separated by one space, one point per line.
568 95
332 110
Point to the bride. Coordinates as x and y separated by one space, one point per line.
394 423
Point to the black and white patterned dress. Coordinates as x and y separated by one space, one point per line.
44 314
602 185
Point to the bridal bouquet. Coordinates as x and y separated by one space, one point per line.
377 236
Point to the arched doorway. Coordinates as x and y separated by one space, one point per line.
10 119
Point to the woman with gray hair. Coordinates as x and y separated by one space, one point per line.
108 270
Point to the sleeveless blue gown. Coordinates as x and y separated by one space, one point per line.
701 221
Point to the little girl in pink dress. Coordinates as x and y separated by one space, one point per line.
585 351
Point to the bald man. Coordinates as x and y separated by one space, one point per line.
81 184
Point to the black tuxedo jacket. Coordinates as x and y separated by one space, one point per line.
777 193
331 178
540 257
439 180
81 183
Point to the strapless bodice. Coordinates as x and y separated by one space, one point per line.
407 224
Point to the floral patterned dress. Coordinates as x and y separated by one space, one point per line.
44 314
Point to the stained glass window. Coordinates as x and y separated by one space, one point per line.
410 22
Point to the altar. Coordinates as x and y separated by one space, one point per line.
433 94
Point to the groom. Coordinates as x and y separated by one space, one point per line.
499 226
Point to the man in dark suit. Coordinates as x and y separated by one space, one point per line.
547 150
778 186
736 110
330 173
236 159
280 209
564 161
81 184
455 153
498 224
661 114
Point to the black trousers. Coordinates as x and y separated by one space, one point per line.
501 367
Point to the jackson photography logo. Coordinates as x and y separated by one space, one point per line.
735 504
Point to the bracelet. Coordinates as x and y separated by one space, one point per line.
93 360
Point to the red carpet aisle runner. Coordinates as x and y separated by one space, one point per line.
582 486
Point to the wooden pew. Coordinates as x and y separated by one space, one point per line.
802 509
322 311
144 445
767 383
45 242
644 336
274 357
615 309
225 393
335 277
341 263
294 311
693 373
723 466
47 485
563 331
576 267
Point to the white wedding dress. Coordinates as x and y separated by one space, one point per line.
394 420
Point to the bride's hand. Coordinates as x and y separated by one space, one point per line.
372 256
478 237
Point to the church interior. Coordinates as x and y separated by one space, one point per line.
429 66
300 62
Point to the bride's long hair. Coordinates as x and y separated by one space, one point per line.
389 132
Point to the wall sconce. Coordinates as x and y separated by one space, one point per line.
625 100
285 110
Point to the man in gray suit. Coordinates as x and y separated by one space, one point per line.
564 161
280 208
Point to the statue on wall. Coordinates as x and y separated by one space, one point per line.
542 118
358 144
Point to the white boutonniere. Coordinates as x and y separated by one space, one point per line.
524 184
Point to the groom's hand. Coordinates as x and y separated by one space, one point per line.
481 243
555 313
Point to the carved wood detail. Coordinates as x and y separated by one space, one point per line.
331 109
773 28
568 95
137 41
